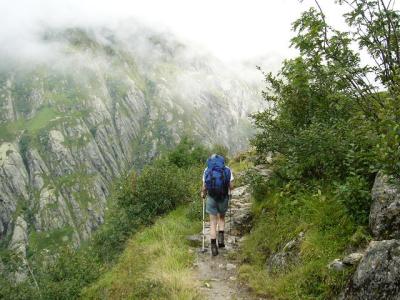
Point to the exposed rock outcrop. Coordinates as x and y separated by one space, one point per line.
378 274
353 258
241 210
18 244
384 217
13 184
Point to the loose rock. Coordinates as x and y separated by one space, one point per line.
240 191
336 265
353 258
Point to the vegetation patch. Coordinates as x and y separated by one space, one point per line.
155 264
41 119
331 131
280 217
49 240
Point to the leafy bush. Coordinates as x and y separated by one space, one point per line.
195 211
159 189
388 147
259 186
355 194
188 154
71 271
24 290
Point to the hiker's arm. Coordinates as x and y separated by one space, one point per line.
231 183
203 190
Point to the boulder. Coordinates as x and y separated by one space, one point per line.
384 218
241 221
289 255
378 273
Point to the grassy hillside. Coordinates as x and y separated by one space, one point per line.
154 265
313 216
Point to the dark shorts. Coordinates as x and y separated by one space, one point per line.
214 207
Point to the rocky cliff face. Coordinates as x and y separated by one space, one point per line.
101 105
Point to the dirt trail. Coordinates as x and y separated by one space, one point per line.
217 276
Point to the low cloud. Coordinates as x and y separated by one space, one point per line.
230 30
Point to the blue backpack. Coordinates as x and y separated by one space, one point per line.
217 177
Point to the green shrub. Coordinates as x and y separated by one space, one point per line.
258 185
23 291
388 147
195 211
159 189
71 271
187 154
355 194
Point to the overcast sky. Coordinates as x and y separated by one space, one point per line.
230 29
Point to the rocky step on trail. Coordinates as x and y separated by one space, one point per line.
216 276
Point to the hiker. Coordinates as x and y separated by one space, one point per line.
217 184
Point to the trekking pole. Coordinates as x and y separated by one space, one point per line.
202 246
230 213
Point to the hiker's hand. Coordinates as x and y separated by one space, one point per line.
202 194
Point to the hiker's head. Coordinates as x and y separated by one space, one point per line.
216 157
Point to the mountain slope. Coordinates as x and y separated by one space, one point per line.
103 101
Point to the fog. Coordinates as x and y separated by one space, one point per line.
235 30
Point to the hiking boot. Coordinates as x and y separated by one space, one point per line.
221 242
214 249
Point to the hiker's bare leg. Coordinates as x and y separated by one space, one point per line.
221 222
213 226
